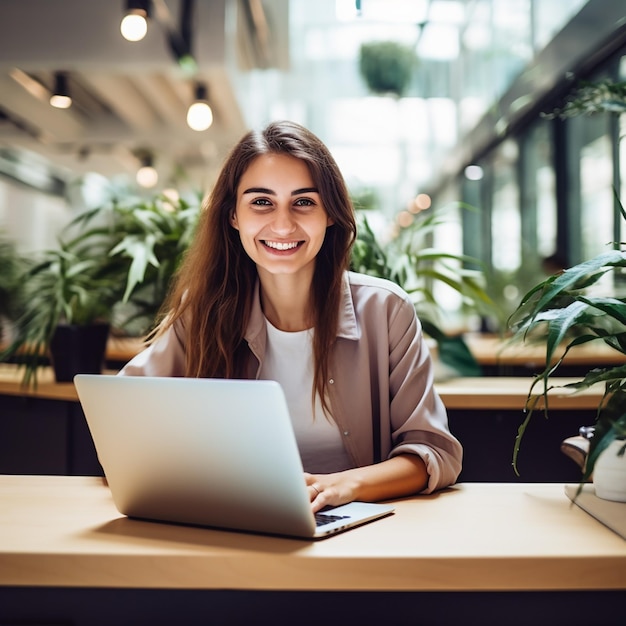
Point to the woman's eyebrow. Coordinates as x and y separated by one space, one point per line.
270 192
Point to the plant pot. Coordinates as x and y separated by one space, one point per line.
78 350
609 473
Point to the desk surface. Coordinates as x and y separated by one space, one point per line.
511 392
492 350
66 532
489 392
487 350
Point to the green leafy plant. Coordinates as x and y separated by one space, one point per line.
417 267
387 66
68 285
562 312
12 266
591 98
143 241
113 265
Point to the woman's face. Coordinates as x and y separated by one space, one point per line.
279 215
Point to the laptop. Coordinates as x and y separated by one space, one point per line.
207 452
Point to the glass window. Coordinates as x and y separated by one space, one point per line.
596 192
505 216
448 237
549 16
539 190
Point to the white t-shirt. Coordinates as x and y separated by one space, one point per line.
289 360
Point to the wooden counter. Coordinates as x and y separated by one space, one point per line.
123 349
490 392
510 392
47 387
66 532
491 350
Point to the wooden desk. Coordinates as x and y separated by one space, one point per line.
487 350
490 351
64 534
510 392
123 349
65 531
11 384
502 392
43 431
494 353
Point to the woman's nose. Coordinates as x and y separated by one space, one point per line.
283 223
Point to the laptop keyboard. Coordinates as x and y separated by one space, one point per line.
327 518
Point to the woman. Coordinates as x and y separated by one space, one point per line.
264 292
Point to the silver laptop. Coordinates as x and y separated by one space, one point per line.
206 452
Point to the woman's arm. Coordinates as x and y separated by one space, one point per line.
402 475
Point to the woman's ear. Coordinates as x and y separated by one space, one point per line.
329 221
233 221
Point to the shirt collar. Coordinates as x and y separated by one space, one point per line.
347 323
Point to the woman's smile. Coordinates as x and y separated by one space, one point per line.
282 246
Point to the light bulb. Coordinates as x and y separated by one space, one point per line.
134 27
60 96
147 176
199 116
60 102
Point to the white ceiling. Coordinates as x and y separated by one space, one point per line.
128 97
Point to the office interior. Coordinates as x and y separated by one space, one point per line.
482 136
476 125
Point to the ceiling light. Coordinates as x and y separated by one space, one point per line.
134 25
147 175
60 97
199 115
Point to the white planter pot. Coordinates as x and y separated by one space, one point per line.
609 473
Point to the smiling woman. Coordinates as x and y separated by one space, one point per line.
265 293
282 223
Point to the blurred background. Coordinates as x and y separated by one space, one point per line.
472 109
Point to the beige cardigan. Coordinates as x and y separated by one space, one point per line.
381 377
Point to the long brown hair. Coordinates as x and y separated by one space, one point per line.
214 287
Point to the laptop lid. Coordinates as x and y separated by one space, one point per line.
210 452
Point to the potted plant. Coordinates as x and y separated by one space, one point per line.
590 98
144 240
387 66
410 262
66 292
562 312
111 270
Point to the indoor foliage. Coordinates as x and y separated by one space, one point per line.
562 312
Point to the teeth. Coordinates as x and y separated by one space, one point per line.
277 245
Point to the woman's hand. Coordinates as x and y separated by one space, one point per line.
402 475
329 489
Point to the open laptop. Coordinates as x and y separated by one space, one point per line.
207 452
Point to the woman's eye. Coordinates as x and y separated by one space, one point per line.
261 202
304 202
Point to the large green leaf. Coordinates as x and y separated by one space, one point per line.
561 312
581 276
